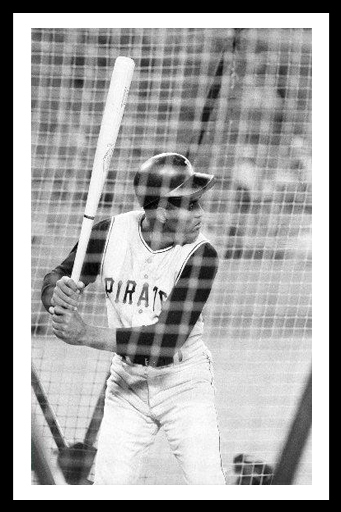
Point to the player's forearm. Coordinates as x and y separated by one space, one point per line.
48 287
69 326
49 284
100 338
46 297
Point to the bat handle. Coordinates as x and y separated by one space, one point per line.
82 246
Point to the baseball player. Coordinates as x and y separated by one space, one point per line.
157 271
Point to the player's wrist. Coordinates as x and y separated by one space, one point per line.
100 338
87 337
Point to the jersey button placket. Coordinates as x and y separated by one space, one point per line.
147 264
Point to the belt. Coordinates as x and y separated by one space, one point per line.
153 361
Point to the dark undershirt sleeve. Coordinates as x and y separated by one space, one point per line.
180 311
91 266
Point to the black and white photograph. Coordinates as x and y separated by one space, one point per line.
169 185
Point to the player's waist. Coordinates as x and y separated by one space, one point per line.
183 354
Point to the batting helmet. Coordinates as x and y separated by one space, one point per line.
169 175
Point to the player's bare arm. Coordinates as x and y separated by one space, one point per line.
69 326
67 323
58 287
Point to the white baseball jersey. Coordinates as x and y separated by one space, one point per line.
136 279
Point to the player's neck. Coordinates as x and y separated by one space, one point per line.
154 235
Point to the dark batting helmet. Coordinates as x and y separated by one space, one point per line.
169 175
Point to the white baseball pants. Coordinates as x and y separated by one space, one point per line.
142 399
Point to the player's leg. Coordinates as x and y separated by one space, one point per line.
191 426
124 437
197 448
126 432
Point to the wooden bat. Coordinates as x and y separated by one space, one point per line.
112 116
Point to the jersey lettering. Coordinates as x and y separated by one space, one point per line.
144 295
119 286
130 289
109 283
162 295
155 293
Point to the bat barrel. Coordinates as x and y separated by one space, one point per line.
111 122
112 117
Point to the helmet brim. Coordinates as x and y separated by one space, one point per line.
193 187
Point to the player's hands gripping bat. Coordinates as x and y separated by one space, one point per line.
66 294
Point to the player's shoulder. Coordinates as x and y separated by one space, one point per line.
200 254
204 245
201 251
119 219
130 216
205 254
124 223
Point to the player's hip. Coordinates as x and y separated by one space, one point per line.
153 391
189 352
192 367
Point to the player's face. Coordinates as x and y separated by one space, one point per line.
184 219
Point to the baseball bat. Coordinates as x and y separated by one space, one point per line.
112 116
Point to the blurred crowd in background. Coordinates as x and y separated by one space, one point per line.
247 92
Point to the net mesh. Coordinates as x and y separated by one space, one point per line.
237 102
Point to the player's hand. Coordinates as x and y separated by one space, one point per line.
66 294
68 326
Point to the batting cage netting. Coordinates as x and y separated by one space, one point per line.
237 103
